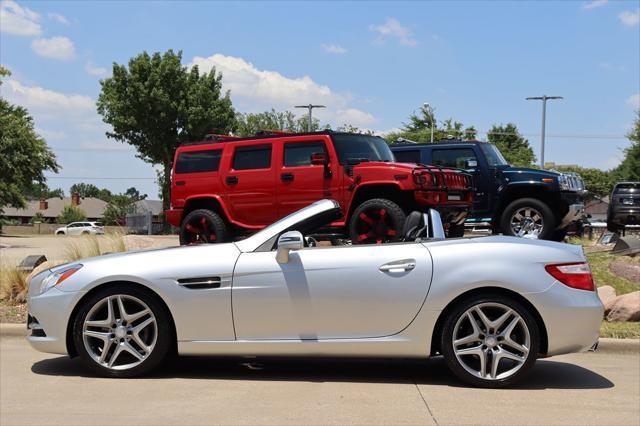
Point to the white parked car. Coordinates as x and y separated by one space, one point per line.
81 228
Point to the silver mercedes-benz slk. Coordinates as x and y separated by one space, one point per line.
489 305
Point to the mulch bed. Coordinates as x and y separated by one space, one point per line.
15 314
629 271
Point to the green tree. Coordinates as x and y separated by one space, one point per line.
155 103
37 218
629 169
71 213
513 146
24 156
421 121
248 124
418 128
89 190
41 190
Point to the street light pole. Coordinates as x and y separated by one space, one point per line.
426 105
544 99
310 107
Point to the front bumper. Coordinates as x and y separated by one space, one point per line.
572 317
49 315
576 212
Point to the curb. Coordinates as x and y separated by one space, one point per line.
13 330
605 345
620 346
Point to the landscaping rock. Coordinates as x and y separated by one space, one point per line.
624 308
628 270
606 293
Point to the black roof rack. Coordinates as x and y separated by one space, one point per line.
265 135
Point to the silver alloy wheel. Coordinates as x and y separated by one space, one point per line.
120 332
527 222
491 341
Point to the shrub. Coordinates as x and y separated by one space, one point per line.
13 284
71 213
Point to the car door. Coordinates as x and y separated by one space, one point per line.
301 182
330 292
73 229
250 184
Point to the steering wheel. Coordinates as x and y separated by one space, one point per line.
310 242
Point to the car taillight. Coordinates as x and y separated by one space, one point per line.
574 275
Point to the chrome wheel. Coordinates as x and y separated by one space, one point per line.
527 222
491 341
120 332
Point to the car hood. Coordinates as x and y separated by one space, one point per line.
529 171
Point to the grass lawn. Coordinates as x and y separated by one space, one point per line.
603 276
620 330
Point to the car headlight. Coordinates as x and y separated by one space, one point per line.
58 277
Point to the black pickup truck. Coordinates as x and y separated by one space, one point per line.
517 201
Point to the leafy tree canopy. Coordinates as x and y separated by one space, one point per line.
248 124
155 103
89 190
629 169
513 146
598 182
24 156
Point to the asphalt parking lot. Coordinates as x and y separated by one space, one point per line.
588 388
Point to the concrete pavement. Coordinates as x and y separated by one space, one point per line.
588 388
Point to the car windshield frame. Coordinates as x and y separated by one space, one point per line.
493 155
378 148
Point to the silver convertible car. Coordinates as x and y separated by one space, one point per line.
491 305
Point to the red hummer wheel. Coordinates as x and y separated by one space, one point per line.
202 227
376 221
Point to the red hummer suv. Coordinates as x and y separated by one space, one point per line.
223 187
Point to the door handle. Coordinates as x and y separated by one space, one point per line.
403 265
286 177
232 180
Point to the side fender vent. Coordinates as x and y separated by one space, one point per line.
200 283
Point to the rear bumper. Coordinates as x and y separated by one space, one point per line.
571 317
173 217
625 216
453 206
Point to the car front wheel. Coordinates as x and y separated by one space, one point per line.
122 332
376 221
202 226
490 341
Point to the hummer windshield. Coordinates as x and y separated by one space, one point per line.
493 155
361 148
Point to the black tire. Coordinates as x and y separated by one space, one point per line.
202 226
85 232
449 325
376 221
165 342
548 218
455 230
60 233
612 227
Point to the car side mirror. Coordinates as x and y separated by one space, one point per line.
318 159
292 240
471 164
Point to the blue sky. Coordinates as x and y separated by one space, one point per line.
371 63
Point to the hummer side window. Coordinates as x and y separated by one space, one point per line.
252 157
198 161
408 156
299 153
457 158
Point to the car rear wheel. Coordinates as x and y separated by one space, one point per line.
122 332
376 221
529 218
490 341
202 226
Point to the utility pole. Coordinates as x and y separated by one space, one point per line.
310 107
544 99
427 106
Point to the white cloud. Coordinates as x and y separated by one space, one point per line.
334 48
51 135
61 19
630 18
594 4
634 101
94 70
254 90
47 103
60 48
393 29
18 20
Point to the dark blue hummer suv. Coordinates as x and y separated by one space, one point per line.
516 201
